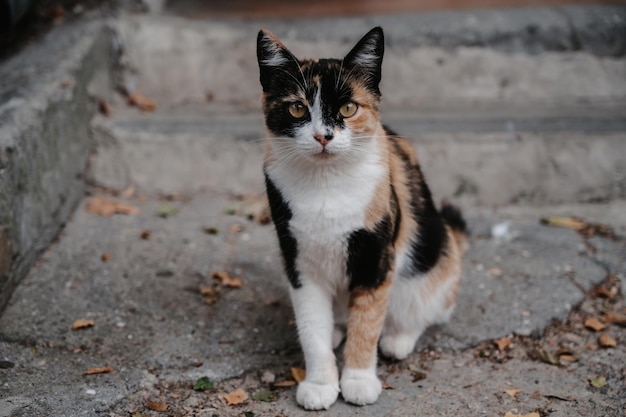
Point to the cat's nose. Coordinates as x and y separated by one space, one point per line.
323 138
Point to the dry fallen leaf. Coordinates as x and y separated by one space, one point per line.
495 272
211 230
606 293
107 207
614 318
264 395
228 280
566 355
206 290
387 386
510 414
82 324
560 397
566 222
256 208
594 324
546 356
210 294
105 257
513 392
503 343
607 341
298 374
100 370
141 101
104 108
284 384
568 358
235 228
129 192
145 234
154 406
598 381
236 397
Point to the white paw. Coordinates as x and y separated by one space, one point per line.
338 334
398 346
360 386
316 396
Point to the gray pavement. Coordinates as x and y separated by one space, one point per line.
509 153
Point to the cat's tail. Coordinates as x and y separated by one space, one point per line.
454 219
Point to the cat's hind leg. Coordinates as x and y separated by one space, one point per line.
416 303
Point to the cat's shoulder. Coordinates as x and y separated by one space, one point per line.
400 147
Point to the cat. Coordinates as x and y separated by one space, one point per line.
367 254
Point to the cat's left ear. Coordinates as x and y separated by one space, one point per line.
367 57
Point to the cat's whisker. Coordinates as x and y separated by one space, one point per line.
301 73
338 77
298 82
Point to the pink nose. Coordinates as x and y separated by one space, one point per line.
322 138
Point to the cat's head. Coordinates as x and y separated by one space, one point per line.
320 109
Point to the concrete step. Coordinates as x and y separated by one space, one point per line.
218 59
479 157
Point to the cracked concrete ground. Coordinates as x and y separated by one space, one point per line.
139 278
154 329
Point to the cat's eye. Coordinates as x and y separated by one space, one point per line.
297 110
348 109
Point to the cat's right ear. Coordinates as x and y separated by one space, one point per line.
274 58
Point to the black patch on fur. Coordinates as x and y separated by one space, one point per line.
395 208
369 255
453 217
431 240
281 214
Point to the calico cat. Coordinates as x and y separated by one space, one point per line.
365 250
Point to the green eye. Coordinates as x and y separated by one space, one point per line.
297 110
348 109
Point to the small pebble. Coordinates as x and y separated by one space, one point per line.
268 377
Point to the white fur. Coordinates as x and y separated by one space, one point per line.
360 386
276 57
313 308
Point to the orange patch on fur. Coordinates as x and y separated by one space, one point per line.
366 316
448 269
400 181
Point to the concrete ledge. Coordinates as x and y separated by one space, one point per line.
431 59
595 29
45 108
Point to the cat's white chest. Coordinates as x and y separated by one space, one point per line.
326 207
329 202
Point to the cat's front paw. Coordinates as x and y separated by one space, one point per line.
360 386
316 396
